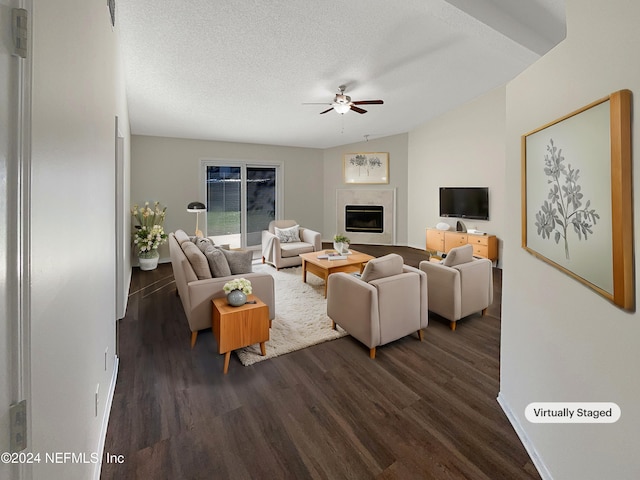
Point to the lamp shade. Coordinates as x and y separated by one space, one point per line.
196 207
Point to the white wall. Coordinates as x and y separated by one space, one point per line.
168 170
396 146
464 147
561 342
77 93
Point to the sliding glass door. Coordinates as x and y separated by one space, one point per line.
241 200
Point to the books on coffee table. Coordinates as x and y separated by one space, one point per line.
333 256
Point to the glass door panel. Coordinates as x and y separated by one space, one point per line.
260 202
224 205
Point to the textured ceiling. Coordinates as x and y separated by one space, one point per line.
241 70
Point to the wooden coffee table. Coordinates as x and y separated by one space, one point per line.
322 268
237 327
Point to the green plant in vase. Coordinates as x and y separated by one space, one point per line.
341 243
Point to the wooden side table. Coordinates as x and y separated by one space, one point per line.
237 327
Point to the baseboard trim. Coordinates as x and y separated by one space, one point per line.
524 438
105 419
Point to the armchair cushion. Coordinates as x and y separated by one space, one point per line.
458 256
293 249
381 267
288 235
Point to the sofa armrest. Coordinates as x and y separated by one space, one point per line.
444 291
353 304
201 292
312 237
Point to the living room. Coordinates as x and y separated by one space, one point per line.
560 341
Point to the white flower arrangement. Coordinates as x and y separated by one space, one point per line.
149 233
241 284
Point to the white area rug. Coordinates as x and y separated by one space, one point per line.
301 316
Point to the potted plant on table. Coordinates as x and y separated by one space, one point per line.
237 291
149 233
341 244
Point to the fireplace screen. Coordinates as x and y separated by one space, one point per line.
364 218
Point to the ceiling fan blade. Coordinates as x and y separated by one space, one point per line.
317 103
358 109
368 102
327 110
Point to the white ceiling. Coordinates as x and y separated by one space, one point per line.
240 70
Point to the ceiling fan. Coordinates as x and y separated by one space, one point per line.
342 103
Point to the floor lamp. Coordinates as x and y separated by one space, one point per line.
197 207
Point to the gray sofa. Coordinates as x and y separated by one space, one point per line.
388 302
196 288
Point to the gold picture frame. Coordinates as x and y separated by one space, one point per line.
577 210
366 168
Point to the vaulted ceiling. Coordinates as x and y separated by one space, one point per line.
242 70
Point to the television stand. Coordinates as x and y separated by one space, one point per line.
484 245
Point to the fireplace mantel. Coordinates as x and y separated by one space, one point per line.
383 197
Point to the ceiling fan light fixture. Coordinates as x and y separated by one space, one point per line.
341 107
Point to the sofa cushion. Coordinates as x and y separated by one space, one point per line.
239 260
458 255
294 249
288 235
197 260
382 267
217 262
181 236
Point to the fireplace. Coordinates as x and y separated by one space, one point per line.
364 218
381 199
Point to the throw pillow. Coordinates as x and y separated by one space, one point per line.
217 262
382 267
458 255
239 260
203 243
288 235
197 260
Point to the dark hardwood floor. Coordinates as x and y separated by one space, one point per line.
423 410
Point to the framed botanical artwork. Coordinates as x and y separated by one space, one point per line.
577 211
366 168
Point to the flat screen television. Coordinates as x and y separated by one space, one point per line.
465 202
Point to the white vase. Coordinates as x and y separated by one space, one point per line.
149 263
341 247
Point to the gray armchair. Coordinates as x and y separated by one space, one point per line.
285 240
459 286
388 302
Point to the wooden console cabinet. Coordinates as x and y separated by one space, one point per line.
485 246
